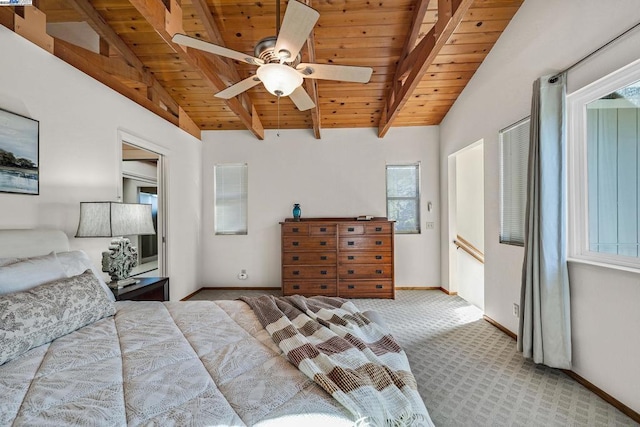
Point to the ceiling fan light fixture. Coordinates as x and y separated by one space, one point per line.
280 80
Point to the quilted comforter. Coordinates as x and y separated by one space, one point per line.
181 363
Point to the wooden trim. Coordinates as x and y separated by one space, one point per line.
499 326
418 288
228 288
191 295
635 416
448 292
186 124
464 244
311 85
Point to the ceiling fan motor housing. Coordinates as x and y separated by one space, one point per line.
265 50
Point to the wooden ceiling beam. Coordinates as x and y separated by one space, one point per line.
166 23
213 32
108 34
419 13
85 61
450 13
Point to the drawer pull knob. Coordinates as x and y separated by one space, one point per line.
379 242
351 243
379 286
296 273
323 272
378 271
295 243
378 256
323 229
296 258
351 229
323 258
323 286
296 286
350 272
351 286
351 257
323 243
295 230
378 228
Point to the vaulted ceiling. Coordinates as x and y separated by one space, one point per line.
423 53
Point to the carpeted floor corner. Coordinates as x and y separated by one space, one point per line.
469 373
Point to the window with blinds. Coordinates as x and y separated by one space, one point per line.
230 210
403 197
514 154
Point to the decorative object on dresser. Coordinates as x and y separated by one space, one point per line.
147 289
338 257
112 219
296 211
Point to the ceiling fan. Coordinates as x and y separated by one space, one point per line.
278 59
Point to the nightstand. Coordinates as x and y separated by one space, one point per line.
148 289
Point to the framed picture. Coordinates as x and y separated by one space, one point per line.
19 152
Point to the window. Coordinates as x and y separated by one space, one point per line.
403 197
231 199
604 175
514 155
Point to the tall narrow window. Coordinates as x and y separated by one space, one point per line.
403 197
514 155
231 198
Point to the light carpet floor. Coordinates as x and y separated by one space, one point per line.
469 373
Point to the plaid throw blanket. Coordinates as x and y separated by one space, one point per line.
353 359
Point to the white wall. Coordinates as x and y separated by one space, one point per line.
79 154
343 174
544 38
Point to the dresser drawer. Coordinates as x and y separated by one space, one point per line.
349 229
382 228
383 257
365 243
366 288
309 287
322 229
364 271
294 243
302 258
309 272
295 229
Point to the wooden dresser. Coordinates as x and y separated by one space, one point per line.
338 257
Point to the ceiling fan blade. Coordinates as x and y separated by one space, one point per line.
195 43
345 73
238 88
301 98
297 23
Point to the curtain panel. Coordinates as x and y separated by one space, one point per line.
545 318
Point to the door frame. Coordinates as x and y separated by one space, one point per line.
126 137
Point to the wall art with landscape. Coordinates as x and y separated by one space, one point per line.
19 137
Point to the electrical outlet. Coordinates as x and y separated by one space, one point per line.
243 275
516 310
431 225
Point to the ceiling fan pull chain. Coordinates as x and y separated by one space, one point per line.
278 130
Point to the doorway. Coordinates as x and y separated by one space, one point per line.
142 182
466 223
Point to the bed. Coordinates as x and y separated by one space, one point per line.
138 363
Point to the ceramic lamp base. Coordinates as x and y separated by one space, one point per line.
120 259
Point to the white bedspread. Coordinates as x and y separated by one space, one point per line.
181 363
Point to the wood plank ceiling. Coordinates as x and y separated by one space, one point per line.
423 53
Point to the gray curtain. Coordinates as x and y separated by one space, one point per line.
545 318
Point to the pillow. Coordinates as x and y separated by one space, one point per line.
76 262
30 272
37 316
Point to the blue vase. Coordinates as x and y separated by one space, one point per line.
296 211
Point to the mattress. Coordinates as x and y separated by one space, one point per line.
172 363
